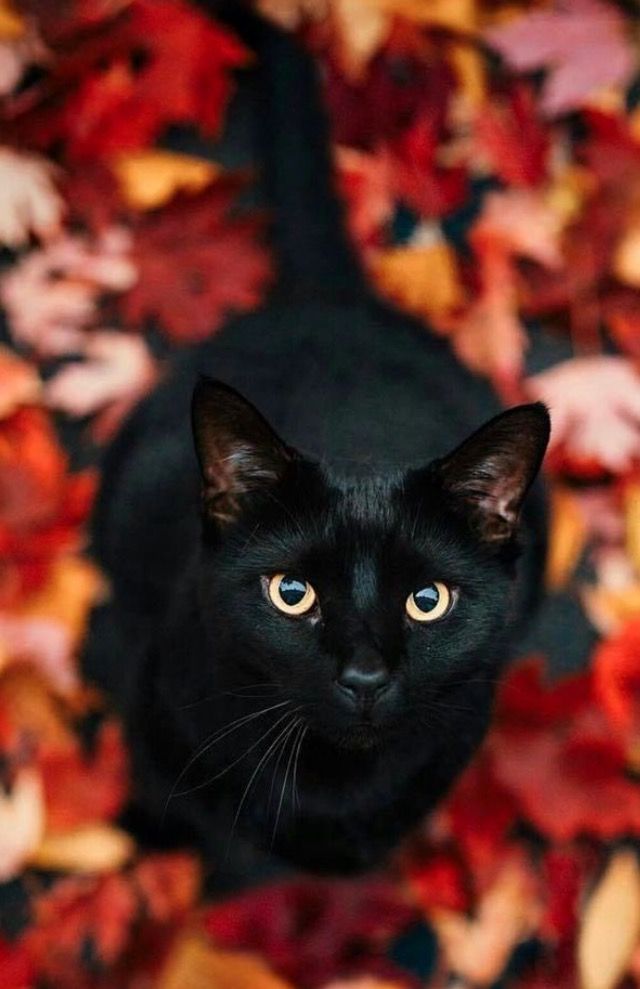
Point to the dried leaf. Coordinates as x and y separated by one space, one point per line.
22 817
196 264
196 964
91 848
608 431
11 24
423 280
610 924
567 537
150 179
19 383
582 42
507 914
116 372
29 201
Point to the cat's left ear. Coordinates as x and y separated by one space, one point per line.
490 473
238 451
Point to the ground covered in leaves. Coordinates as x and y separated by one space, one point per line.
489 156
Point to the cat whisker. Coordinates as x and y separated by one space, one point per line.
296 801
223 772
217 736
262 762
238 692
286 777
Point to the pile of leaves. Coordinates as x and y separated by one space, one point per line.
489 157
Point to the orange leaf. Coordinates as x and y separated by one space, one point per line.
195 964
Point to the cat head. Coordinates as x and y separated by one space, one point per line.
362 599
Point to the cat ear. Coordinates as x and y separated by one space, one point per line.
490 473
237 449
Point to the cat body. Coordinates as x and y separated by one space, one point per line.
323 735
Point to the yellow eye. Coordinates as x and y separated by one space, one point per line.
291 595
429 603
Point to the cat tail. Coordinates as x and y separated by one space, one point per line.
314 253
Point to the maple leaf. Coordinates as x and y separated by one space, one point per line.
80 789
75 914
115 373
608 434
616 669
29 201
52 295
196 264
118 89
554 751
508 133
19 383
582 42
22 817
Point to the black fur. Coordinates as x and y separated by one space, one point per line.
362 498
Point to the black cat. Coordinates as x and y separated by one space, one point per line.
306 651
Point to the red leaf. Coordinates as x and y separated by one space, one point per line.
80 789
311 932
196 264
509 133
77 917
616 668
118 89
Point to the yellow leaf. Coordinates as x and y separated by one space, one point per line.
457 15
423 280
92 848
626 258
609 609
150 178
196 964
470 69
22 815
610 924
632 522
567 537
11 24
291 14
362 30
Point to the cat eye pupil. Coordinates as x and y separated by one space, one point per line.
292 590
427 598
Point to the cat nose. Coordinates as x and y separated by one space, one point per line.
362 684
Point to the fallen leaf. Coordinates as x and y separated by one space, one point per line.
508 913
567 537
149 179
11 24
89 848
609 433
19 383
422 280
117 370
196 964
610 925
583 43
29 201
22 819
196 264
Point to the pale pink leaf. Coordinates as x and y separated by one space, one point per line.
117 368
30 204
595 408
582 43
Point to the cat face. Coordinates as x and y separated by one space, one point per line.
363 601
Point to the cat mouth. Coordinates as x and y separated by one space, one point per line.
361 736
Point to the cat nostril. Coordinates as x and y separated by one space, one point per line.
363 683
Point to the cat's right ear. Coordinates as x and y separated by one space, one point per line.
237 449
